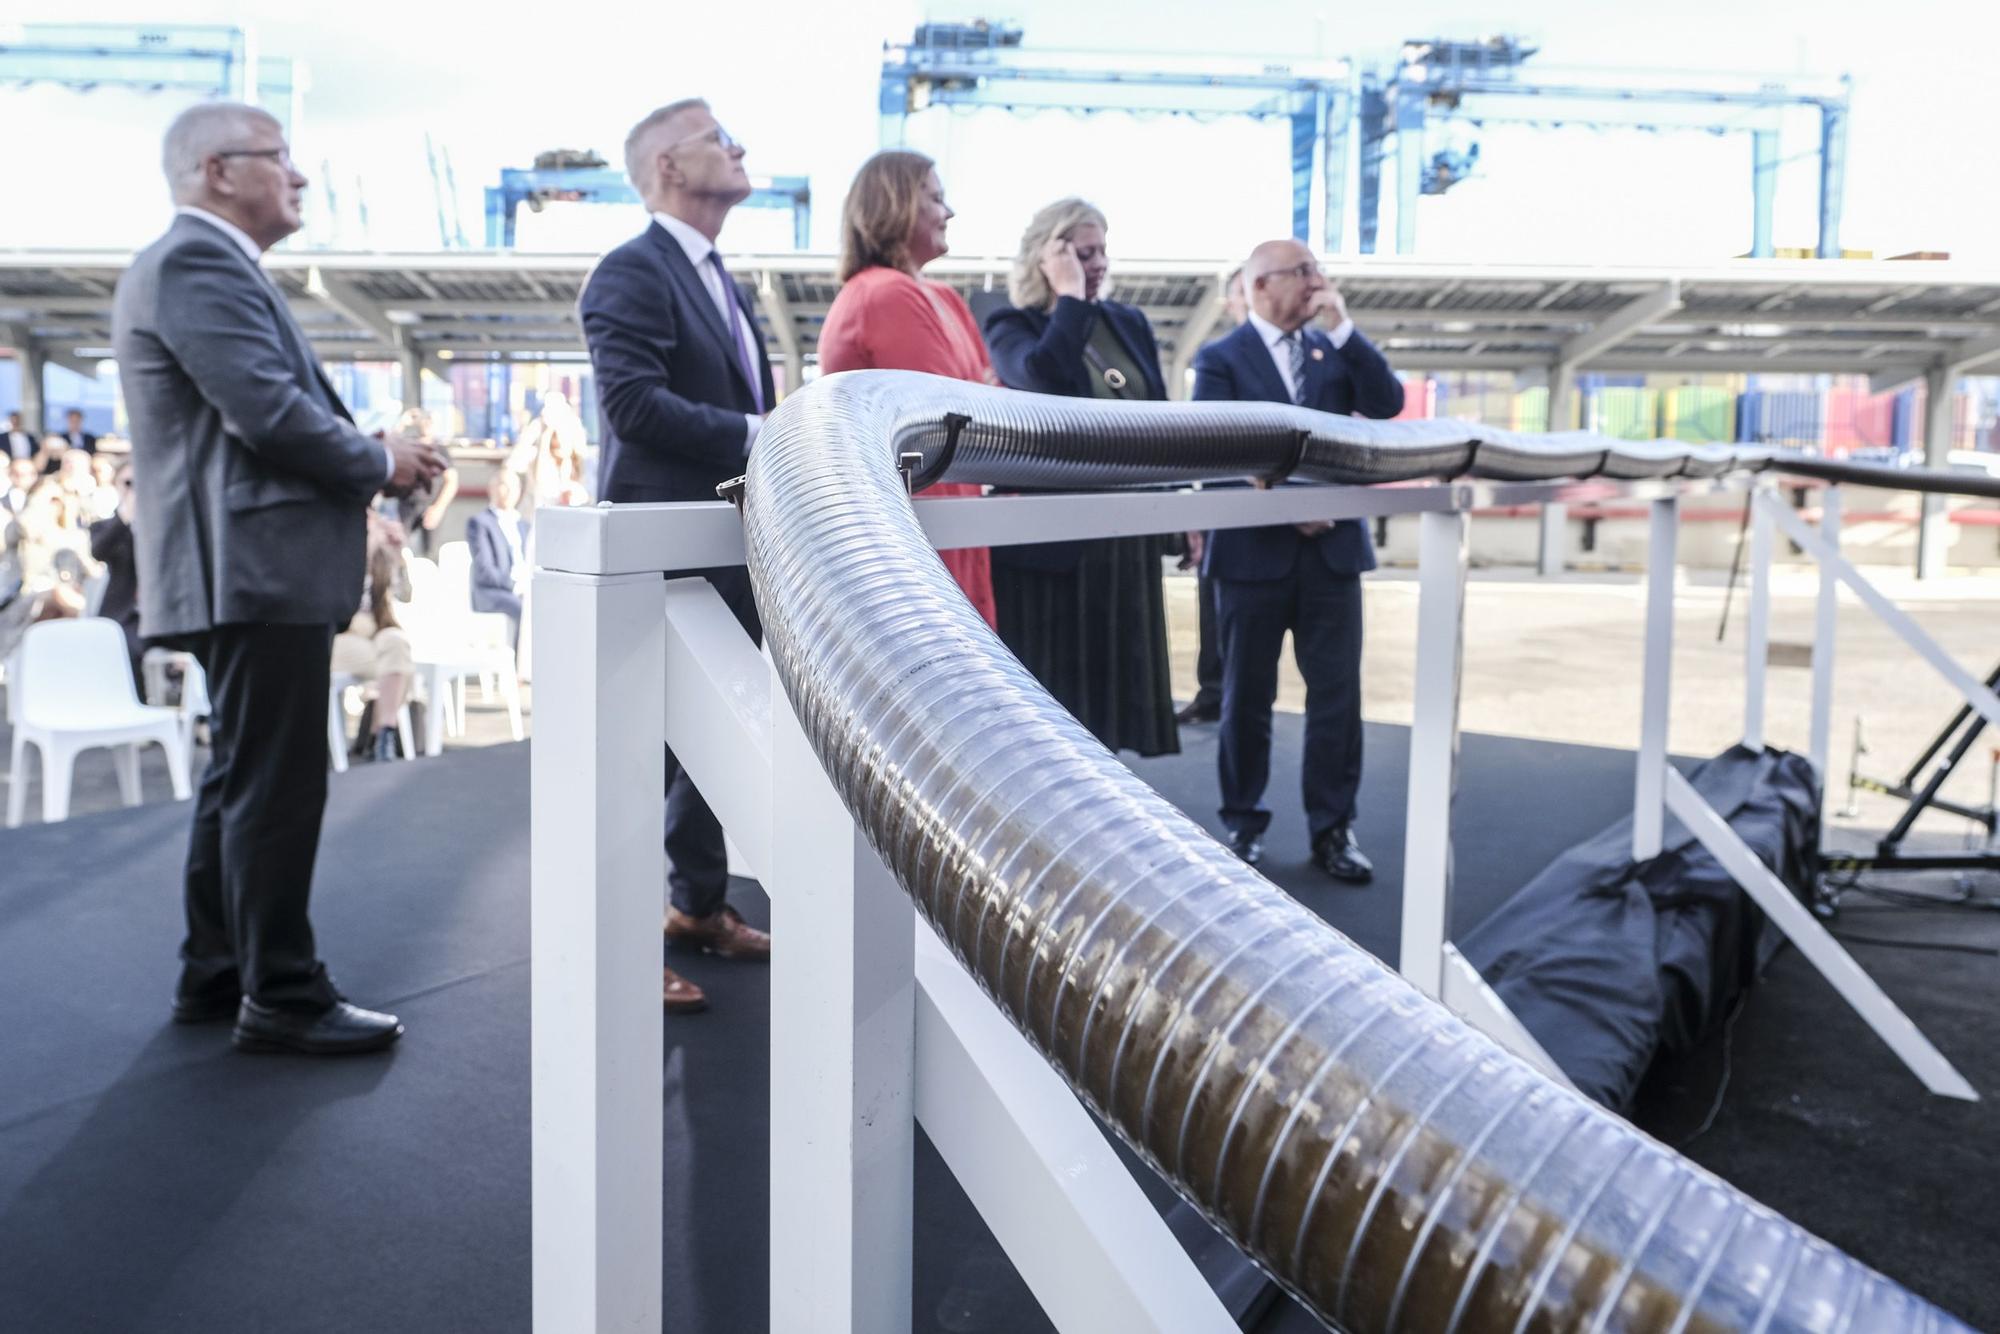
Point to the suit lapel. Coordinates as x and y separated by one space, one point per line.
302 348
694 292
1139 358
1255 357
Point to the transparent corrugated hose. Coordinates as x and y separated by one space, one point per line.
1390 1166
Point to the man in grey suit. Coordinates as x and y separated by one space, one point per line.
252 483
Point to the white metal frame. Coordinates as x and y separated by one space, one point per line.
1660 790
874 1023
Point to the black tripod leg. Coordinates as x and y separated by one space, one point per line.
1921 802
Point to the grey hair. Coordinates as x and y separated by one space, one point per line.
641 159
203 129
1027 287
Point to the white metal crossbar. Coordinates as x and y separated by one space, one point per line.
1659 789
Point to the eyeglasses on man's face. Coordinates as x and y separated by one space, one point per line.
1298 271
281 156
720 137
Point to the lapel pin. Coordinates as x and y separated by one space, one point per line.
1319 355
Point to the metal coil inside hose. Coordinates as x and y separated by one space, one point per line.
1386 1163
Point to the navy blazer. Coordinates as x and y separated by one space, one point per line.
670 386
1353 378
1042 352
492 561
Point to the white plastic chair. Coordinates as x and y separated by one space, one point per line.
336 721
449 642
194 702
72 692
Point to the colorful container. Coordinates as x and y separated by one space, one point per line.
1700 415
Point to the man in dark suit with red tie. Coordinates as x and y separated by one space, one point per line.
1305 578
683 385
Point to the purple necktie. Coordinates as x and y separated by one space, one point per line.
736 330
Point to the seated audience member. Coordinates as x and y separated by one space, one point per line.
20 444
422 511
104 473
374 647
22 474
111 544
75 436
79 484
53 553
548 456
50 456
498 537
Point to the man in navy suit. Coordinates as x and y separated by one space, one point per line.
683 385
1305 578
497 537
74 433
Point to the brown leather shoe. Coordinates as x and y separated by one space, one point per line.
681 996
722 932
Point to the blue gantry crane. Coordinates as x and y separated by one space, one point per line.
1329 105
567 175
981 64
204 59
1482 82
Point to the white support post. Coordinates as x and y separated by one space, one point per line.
1552 543
597 875
1441 563
1757 629
1649 791
1826 625
843 995
1817 944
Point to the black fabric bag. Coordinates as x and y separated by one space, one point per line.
1610 963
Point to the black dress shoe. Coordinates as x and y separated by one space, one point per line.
335 1031
1199 710
1337 854
205 1009
1246 846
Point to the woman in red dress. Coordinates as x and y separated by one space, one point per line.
888 317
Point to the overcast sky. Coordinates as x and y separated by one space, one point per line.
797 83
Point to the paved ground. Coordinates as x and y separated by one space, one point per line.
1560 660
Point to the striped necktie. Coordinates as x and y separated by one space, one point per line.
1295 344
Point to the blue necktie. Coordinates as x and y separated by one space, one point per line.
736 330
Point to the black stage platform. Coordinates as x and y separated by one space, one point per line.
153 1180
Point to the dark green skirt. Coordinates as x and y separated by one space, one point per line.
1097 640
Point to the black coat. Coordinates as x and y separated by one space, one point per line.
1042 352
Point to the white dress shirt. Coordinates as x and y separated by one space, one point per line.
1281 356
698 248
255 254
